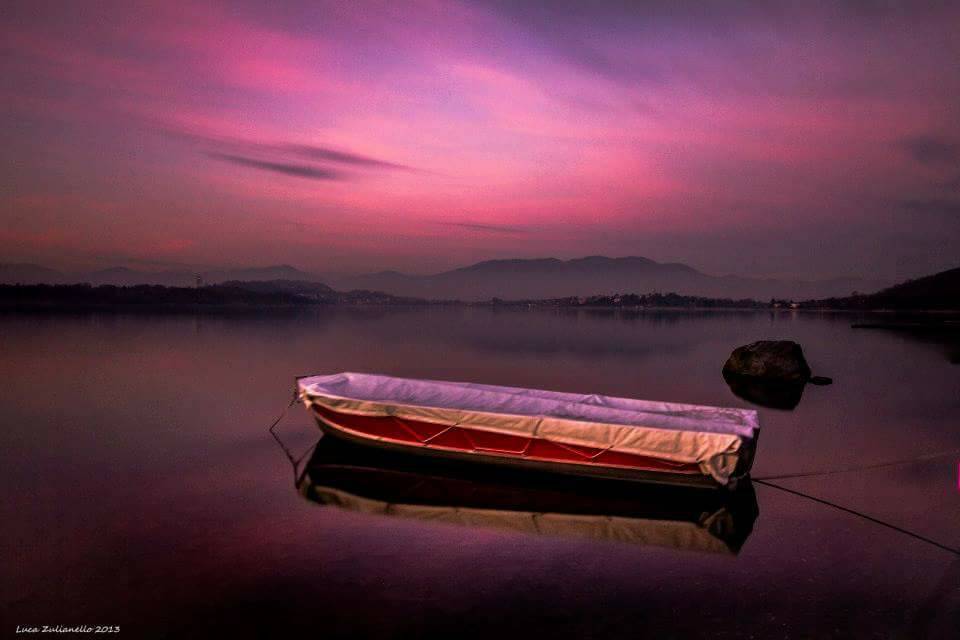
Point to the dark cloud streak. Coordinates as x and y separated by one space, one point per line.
492 228
288 169
931 150
342 157
242 148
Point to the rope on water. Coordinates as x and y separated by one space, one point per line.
294 460
293 401
859 514
866 467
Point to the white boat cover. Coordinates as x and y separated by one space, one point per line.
720 440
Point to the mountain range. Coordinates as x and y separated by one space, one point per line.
594 275
521 279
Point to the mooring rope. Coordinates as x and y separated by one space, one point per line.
866 467
283 413
294 460
765 480
859 514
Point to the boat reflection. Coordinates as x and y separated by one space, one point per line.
377 482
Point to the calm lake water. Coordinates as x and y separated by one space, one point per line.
142 489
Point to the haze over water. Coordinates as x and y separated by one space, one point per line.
142 488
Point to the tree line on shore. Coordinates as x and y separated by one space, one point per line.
940 291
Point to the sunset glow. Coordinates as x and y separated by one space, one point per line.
347 137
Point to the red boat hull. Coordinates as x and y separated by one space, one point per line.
457 442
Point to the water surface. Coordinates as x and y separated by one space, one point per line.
142 489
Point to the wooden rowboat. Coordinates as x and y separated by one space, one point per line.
533 429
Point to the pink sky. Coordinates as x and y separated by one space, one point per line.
814 141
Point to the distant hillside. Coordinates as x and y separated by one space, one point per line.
283 286
317 292
235 293
124 277
83 295
595 275
22 273
939 291
283 272
185 278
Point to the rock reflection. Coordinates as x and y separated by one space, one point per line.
774 395
376 482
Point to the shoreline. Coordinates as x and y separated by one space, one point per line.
52 307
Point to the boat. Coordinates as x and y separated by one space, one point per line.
581 434
383 483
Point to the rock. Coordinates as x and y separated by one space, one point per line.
769 360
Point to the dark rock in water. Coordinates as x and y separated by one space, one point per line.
765 393
770 373
771 360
